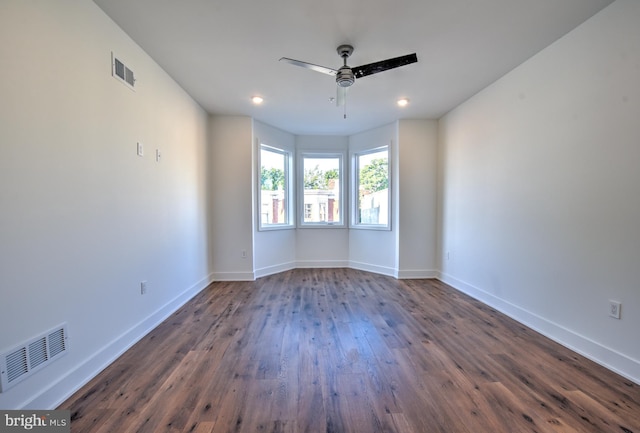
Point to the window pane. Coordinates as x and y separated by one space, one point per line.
273 186
373 188
321 178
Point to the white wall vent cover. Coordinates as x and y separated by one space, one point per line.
121 72
22 361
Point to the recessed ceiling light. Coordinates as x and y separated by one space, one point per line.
403 102
257 100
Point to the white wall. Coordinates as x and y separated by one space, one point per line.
323 247
376 250
233 179
84 219
416 204
275 250
539 190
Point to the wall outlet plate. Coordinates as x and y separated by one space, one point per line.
614 309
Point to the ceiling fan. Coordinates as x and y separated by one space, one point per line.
346 75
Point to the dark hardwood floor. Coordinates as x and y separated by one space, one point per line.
340 350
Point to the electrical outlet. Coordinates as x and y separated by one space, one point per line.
243 253
143 287
614 309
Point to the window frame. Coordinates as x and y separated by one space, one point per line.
343 179
289 187
355 186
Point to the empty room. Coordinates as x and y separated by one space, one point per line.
302 216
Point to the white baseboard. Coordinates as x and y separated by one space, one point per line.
58 392
392 272
608 358
384 270
234 276
417 274
322 264
270 270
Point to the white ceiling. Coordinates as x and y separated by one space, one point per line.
222 52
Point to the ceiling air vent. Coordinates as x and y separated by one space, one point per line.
121 72
22 361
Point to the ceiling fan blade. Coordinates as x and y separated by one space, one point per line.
341 96
311 66
383 65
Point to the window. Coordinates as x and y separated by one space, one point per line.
275 188
371 183
322 190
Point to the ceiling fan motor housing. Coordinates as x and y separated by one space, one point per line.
345 77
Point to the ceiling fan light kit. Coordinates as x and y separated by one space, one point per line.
346 75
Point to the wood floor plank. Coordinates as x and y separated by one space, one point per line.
512 412
342 350
421 402
308 400
399 423
595 414
205 427
461 400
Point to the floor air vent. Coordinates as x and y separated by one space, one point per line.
26 359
